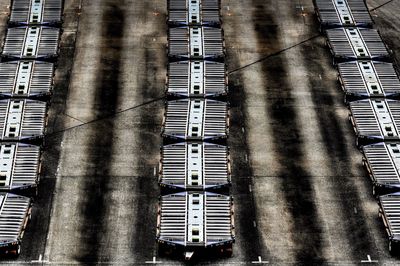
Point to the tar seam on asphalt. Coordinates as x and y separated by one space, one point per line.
384 4
274 54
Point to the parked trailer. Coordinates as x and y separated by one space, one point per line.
194 13
342 13
348 44
15 213
31 42
382 162
20 166
197 79
192 222
368 79
194 166
375 120
195 43
36 12
196 119
26 79
389 211
22 120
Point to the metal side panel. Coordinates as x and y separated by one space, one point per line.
383 161
356 43
195 166
22 120
194 219
26 79
36 12
14 213
196 119
338 13
196 79
390 211
196 43
369 79
31 42
194 12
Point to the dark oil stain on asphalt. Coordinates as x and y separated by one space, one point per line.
296 181
149 140
96 185
333 137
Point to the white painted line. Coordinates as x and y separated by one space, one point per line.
369 260
227 8
320 77
154 261
246 158
260 261
39 260
254 224
243 129
250 188
155 171
355 210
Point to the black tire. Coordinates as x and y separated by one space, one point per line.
14 253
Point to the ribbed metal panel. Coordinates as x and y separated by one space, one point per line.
194 166
196 79
19 166
199 119
36 12
348 44
375 120
26 79
201 219
14 215
194 12
22 120
195 43
31 43
342 13
382 161
390 213
369 79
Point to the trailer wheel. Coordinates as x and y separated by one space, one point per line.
16 251
228 252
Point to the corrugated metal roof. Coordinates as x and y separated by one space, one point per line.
22 120
26 79
19 166
369 79
343 13
194 12
375 120
348 44
197 43
196 219
36 12
195 166
197 79
14 214
196 119
31 43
